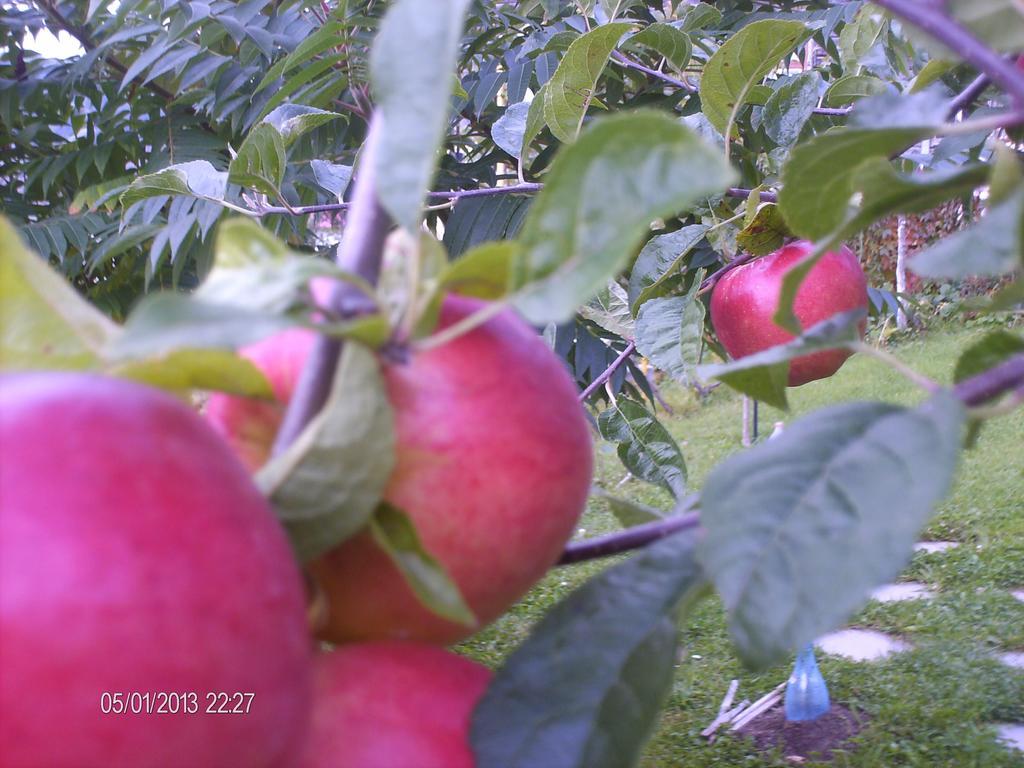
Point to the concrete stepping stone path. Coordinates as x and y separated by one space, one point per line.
1013 659
935 546
861 644
1011 734
895 593
1019 594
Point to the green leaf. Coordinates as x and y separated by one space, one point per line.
568 93
893 110
610 310
44 322
698 16
670 332
627 511
534 121
294 120
324 39
850 88
484 272
818 180
1000 23
766 233
644 445
260 161
930 73
989 247
802 527
742 62
207 369
790 107
996 347
585 690
600 196
660 259
479 220
509 130
666 40
327 484
331 176
857 38
197 178
763 375
394 532
411 67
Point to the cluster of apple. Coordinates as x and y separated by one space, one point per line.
152 612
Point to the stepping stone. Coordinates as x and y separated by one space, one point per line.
896 593
935 546
861 644
1019 594
1011 734
1013 659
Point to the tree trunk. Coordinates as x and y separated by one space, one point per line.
901 267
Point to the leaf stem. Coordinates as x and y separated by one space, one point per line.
465 325
897 365
360 252
607 373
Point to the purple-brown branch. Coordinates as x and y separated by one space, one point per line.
360 251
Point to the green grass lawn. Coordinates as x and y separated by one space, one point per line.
927 707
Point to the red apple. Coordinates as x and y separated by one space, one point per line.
744 301
391 705
493 465
140 569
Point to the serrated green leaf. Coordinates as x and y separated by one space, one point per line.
742 62
644 446
785 519
790 107
666 40
610 310
327 484
484 271
197 178
587 687
411 66
996 347
294 120
509 130
44 322
260 161
767 232
661 257
568 93
930 73
600 196
850 88
857 38
698 16
534 121
670 332
627 511
332 176
763 375
394 532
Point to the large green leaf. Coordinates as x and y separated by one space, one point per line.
327 484
412 67
260 161
585 690
610 309
666 40
600 196
802 527
394 532
645 447
765 232
991 246
790 107
860 36
197 178
850 88
509 129
44 322
207 369
670 332
484 271
568 93
742 62
294 120
660 259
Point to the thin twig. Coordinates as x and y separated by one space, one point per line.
897 365
992 383
967 96
631 538
597 383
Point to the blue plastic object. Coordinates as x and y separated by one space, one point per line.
806 693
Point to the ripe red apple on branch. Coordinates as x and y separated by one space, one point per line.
745 300
389 704
493 465
140 569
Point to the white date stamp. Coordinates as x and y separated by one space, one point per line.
175 703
